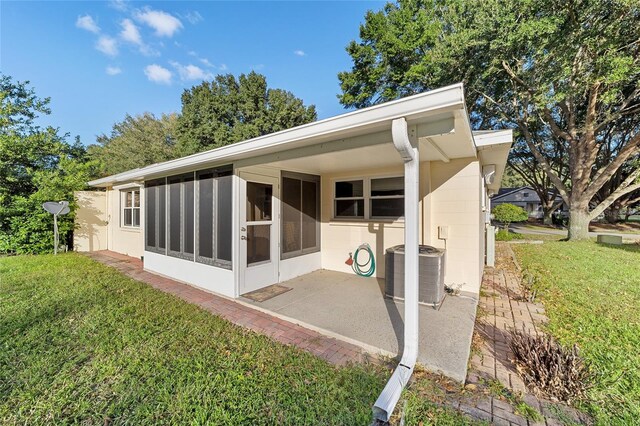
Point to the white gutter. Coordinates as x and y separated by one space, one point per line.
408 149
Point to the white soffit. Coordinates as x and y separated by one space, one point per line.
493 148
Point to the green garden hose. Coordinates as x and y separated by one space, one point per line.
358 268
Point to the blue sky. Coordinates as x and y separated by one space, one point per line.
98 61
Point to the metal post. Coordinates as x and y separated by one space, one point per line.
55 234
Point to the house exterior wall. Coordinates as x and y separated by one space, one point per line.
451 195
128 241
91 221
207 277
456 188
343 236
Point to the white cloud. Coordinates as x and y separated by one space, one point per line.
107 45
158 74
164 24
299 52
86 22
191 72
130 32
113 70
206 62
120 5
193 17
223 67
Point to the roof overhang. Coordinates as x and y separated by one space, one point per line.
437 115
493 148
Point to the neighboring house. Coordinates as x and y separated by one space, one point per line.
524 197
255 213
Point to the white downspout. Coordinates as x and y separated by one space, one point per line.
384 406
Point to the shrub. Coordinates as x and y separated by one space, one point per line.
508 213
549 368
505 235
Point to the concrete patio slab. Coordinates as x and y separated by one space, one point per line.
352 307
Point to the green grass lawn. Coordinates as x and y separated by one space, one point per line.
592 296
81 343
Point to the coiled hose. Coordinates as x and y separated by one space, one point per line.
358 268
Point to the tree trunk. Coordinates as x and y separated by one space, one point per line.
547 219
578 223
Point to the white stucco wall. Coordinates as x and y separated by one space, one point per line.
91 221
341 236
456 203
128 241
207 277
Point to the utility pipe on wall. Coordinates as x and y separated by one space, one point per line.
386 402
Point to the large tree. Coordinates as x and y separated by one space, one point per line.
136 141
569 67
526 165
36 165
228 110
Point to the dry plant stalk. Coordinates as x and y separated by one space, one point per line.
549 368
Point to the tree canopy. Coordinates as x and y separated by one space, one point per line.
136 141
36 165
228 110
564 73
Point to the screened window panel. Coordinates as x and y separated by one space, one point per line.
387 207
205 216
309 214
258 243
128 199
151 216
128 217
136 217
188 211
174 216
178 213
387 186
291 206
162 216
258 201
136 200
350 208
349 189
224 209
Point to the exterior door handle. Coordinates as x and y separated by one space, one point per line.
243 237
243 229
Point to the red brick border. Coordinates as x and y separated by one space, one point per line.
330 349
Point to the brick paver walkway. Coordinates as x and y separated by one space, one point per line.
330 349
501 310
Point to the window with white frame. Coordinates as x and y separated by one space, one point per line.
369 198
130 202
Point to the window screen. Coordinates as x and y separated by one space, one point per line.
190 216
349 202
214 216
155 216
387 197
370 198
300 214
